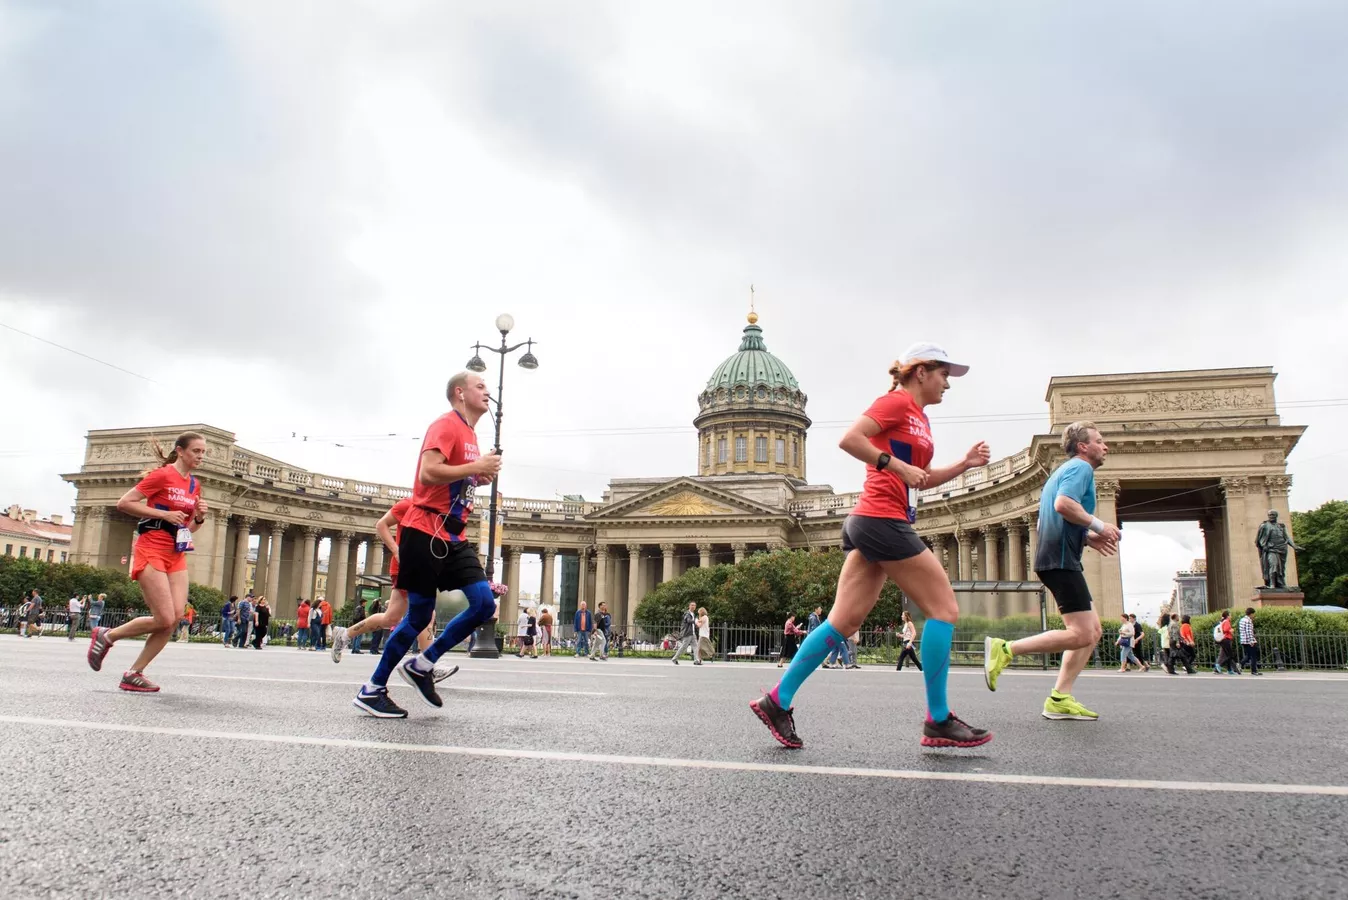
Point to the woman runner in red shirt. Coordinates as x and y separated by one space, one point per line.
893 439
169 505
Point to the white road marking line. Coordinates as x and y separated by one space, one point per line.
441 687
1211 787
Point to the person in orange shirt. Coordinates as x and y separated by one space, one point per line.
185 623
1187 646
302 624
324 605
169 506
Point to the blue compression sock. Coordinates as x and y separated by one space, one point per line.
817 645
936 638
419 610
481 607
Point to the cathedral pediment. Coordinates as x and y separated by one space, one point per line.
684 498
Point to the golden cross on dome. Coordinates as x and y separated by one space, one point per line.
753 316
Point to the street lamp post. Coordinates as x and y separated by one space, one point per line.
484 644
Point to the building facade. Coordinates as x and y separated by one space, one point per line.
23 534
1204 445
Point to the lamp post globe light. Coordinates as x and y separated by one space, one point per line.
484 642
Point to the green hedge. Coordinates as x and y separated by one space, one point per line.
58 582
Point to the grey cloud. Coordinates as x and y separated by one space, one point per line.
151 173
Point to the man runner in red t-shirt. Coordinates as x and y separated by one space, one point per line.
432 553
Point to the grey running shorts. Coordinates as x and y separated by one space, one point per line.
880 540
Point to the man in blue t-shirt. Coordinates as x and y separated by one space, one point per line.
1067 526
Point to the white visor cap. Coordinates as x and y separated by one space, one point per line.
925 350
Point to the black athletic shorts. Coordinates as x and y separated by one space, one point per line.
880 540
427 564
1068 588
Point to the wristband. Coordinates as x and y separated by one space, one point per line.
199 521
1096 525
882 462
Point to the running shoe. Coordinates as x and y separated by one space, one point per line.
996 657
424 682
1065 706
440 673
378 704
338 643
953 732
98 648
779 721
137 683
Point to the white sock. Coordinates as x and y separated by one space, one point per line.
369 688
421 664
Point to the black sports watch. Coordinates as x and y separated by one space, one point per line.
883 462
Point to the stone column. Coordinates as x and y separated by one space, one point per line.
278 534
966 555
704 556
582 576
513 585
1111 572
740 549
352 570
990 568
549 583
1018 604
1243 574
1015 550
601 576
633 584
374 557
263 558
338 557
219 524
1278 487
667 574
244 524
1032 544
308 561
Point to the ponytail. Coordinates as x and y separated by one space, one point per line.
183 440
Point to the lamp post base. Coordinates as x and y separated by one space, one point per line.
484 641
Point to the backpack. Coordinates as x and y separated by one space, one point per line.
1217 633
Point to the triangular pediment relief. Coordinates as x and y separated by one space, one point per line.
684 498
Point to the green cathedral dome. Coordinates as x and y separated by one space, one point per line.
752 366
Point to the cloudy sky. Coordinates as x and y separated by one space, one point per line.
295 219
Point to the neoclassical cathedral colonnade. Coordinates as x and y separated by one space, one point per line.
1198 445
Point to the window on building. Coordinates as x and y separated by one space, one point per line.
63 556
23 552
741 449
781 451
51 556
720 450
706 453
760 449
795 452
9 549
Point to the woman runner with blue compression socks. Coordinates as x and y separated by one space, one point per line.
893 438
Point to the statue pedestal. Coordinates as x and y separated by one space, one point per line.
1288 596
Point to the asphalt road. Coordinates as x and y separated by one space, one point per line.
250 775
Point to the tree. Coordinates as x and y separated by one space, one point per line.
1322 566
762 590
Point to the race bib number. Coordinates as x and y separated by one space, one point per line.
183 543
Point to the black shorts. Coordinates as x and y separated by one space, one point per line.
1068 588
880 540
427 565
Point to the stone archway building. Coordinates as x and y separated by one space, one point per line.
1204 445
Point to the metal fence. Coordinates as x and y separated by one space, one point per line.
763 643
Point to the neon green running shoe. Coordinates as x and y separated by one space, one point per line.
1065 706
996 656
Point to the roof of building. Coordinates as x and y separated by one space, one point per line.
38 529
752 365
